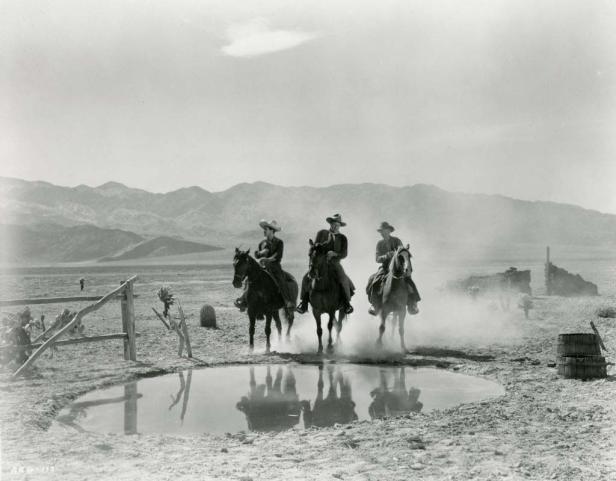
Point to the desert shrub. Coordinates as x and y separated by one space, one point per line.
608 312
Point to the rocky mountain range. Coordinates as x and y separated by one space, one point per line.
427 214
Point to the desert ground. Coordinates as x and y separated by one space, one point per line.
544 427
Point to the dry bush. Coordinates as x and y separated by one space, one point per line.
607 312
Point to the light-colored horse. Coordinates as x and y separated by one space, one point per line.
396 293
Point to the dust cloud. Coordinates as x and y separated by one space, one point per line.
445 320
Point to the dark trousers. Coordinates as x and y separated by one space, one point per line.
277 273
343 279
340 277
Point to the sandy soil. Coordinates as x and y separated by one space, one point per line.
543 428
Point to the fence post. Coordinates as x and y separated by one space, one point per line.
130 305
184 329
125 322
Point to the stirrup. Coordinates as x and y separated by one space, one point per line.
373 311
239 304
348 309
302 308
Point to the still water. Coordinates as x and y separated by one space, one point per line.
269 398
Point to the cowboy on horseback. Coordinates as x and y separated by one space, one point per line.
385 249
269 253
336 246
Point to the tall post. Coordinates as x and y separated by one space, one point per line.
130 331
184 329
124 308
548 283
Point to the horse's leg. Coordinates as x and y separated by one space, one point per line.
268 331
394 318
341 316
290 319
276 315
401 317
317 318
330 325
384 313
251 331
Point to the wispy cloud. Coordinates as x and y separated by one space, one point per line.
257 38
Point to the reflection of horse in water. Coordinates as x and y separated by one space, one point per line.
335 408
273 406
398 401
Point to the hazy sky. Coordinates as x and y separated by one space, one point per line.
511 97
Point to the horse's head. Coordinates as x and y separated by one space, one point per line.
400 263
317 259
241 261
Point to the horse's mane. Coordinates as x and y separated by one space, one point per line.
322 236
390 272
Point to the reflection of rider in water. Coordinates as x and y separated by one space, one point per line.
332 409
273 406
398 401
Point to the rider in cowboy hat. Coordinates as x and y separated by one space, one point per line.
336 251
269 253
385 249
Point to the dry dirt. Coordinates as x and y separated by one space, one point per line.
544 427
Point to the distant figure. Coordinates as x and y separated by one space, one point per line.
526 304
473 291
82 283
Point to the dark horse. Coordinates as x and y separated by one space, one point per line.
326 296
263 296
395 293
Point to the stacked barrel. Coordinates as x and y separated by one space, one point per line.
579 356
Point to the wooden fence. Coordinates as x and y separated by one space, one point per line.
126 294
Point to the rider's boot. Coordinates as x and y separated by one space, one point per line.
240 303
412 308
348 309
373 311
303 305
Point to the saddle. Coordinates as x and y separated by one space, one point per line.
288 277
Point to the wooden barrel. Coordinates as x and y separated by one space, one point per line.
582 367
578 344
207 316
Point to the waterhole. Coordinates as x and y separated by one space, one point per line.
269 398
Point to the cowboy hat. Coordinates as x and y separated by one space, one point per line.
270 225
386 225
336 218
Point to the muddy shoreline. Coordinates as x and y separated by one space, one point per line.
544 427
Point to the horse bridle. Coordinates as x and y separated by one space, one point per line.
236 276
396 254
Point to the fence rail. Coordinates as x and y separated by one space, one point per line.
125 290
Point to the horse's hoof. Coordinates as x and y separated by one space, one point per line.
267 350
330 349
320 350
